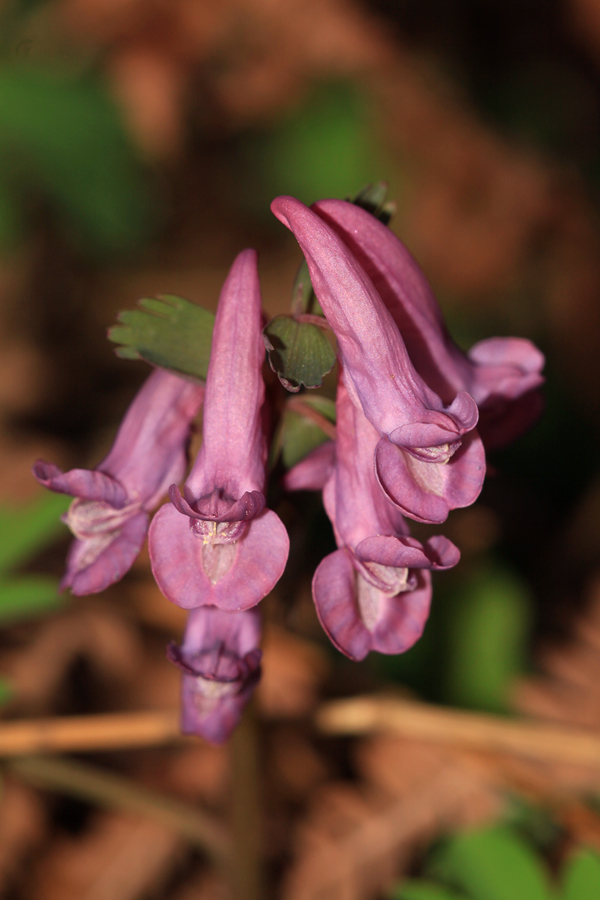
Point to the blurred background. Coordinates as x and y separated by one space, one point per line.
141 142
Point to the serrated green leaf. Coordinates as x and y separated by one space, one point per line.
166 331
299 352
25 529
491 865
31 595
64 138
424 890
581 876
487 641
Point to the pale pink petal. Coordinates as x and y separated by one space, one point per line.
311 473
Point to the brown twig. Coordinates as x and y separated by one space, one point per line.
113 791
476 731
74 733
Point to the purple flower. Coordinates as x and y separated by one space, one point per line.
501 374
429 459
109 516
220 660
216 544
374 592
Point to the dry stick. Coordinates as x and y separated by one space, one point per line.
113 791
76 733
536 740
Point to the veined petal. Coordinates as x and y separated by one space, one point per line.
376 362
191 572
427 491
150 450
97 562
233 452
358 617
89 485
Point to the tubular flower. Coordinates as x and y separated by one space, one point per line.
501 374
429 459
215 543
109 515
220 660
374 592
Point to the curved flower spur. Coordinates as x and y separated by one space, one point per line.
502 374
109 516
429 459
374 592
220 660
215 543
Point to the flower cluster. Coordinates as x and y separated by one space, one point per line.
413 414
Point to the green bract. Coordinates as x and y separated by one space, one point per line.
299 352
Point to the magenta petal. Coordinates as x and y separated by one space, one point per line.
427 491
395 552
509 351
233 452
150 450
359 618
313 471
220 657
255 562
441 552
96 563
89 485
216 508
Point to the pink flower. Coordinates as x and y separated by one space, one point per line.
216 544
109 516
374 592
429 459
220 660
502 375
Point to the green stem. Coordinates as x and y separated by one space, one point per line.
247 873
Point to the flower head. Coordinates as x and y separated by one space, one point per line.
220 659
215 543
429 459
502 375
374 592
109 516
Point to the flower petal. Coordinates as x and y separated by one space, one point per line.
254 567
89 485
377 365
216 508
311 473
150 450
233 452
427 491
359 618
96 563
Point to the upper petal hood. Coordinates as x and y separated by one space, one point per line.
495 372
378 368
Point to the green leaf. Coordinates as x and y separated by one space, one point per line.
491 865
488 639
64 137
299 352
25 529
32 595
424 890
6 691
581 876
167 331
298 434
